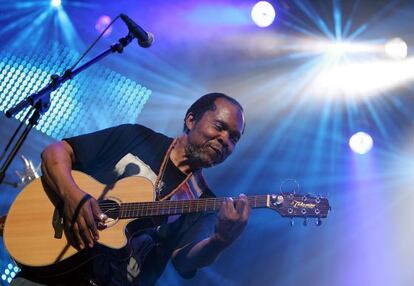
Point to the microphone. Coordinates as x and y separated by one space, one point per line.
145 39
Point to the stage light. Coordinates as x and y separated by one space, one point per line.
361 143
363 78
56 3
263 14
396 48
336 49
76 100
102 23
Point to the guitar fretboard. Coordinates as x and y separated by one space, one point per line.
142 209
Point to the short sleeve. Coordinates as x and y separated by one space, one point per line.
102 147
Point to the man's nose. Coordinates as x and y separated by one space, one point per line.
224 140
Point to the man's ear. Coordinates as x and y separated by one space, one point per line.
190 121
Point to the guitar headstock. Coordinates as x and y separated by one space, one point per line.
295 205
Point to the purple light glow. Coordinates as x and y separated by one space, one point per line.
102 23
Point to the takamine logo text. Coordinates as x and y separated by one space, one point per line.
297 204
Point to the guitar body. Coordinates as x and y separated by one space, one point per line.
33 222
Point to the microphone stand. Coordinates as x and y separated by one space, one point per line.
40 101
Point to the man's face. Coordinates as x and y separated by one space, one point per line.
212 138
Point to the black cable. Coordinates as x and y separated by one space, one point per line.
94 43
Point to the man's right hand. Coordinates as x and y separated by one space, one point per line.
81 214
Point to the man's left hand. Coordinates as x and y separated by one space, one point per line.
232 219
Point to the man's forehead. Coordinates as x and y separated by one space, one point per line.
223 103
228 112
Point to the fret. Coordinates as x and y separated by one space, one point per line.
140 209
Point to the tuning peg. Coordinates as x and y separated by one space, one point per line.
305 221
292 222
318 222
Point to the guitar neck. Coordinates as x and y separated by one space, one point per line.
143 209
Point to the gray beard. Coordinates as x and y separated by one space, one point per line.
196 156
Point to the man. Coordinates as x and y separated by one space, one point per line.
212 127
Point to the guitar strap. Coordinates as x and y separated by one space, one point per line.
196 185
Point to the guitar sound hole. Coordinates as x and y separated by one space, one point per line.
110 208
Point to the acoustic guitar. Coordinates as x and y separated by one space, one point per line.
34 235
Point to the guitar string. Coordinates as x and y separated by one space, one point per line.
167 209
309 200
167 203
184 207
179 209
195 201
164 204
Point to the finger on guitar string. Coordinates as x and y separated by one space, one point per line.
82 222
228 208
75 234
86 231
70 235
232 219
244 208
99 216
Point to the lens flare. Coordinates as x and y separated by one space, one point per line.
361 143
396 49
263 14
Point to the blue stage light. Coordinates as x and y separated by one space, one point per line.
56 3
361 143
263 14
77 101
